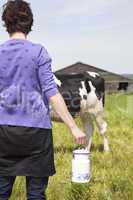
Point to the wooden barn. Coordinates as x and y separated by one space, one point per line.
113 82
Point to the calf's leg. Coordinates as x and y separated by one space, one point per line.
102 126
88 128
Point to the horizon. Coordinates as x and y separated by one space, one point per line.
98 34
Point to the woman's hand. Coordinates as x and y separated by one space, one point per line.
79 136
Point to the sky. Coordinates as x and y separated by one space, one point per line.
98 32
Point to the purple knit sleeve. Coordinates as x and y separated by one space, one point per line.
46 77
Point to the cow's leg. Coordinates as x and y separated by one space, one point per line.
102 126
88 128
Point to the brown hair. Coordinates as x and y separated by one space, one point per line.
17 16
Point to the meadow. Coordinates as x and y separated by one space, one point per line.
112 173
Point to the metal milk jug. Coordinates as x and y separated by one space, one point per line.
81 166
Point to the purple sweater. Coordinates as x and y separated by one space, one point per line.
26 84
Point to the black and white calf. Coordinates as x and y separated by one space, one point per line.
84 97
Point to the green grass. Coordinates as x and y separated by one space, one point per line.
112 173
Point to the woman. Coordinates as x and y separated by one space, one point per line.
27 87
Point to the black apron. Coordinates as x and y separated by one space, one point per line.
26 151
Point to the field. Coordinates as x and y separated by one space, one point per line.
112 173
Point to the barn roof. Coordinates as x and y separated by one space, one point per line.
80 67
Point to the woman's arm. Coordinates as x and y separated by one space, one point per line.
49 88
59 106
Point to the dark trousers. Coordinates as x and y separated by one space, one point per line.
35 187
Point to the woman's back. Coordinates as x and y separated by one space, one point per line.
23 69
18 57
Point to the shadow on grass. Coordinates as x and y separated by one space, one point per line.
66 149
63 149
97 148
78 192
70 149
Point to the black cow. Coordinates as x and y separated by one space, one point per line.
84 96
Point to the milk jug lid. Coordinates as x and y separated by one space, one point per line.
80 151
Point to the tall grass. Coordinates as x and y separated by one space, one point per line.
112 173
